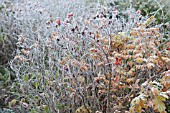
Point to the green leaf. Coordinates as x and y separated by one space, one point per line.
34 111
56 75
4 70
26 78
39 76
161 107
59 106
46 108
127 90
36 84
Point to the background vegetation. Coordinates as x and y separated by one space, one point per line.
81 56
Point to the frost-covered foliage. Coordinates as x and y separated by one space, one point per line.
6 111
88 56
8 32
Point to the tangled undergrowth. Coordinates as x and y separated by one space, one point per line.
101 61
8 33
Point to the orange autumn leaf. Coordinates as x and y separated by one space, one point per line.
130 80
158 53
71 89
168 48
83 68
155 91
130 63
142 103
93 50
116 79
129 46
165 59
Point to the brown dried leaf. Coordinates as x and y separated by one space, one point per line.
130 80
